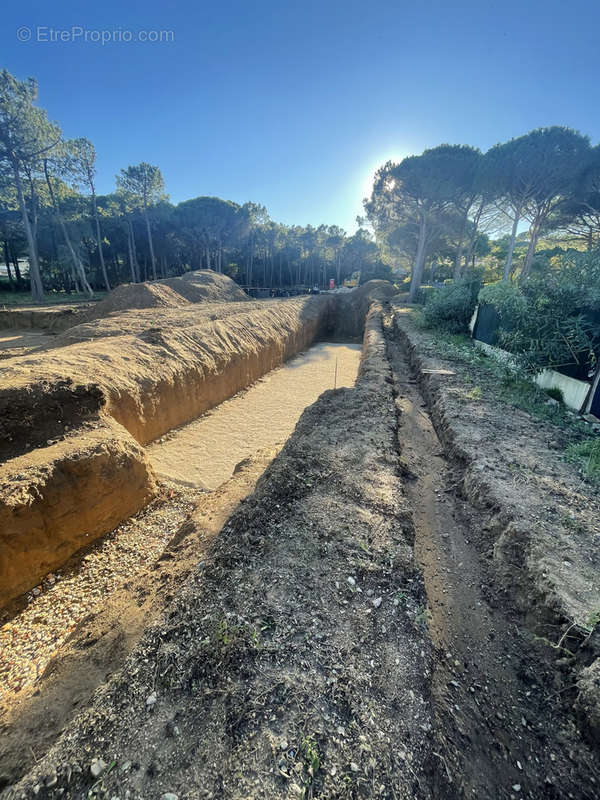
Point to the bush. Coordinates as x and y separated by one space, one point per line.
505 297
556 394
547 322
452 306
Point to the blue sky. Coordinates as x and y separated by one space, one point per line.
293 104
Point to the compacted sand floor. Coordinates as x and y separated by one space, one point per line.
204 453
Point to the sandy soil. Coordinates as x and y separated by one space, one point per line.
18 342
204 453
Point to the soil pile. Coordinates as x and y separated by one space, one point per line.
136 295
353 306
192 287
206 286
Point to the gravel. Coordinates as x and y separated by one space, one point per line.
33 636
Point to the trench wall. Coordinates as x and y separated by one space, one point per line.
64 498
233 354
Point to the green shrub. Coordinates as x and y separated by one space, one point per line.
505 297
556 394
425 294
452 306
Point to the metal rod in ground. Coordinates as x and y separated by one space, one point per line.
335 376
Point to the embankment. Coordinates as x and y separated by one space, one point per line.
293 662
75 414
539 534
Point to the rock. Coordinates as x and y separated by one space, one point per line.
97 767
151 700
517 787
284 744
377 602
351 581
354 766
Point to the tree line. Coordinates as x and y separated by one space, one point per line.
74 239
444 203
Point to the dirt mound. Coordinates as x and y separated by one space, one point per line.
59 498
205 286
137 295
374 290
193 287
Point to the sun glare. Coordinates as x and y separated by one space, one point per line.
369 177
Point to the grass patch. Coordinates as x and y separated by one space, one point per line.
586 455
504 381
15 299
556 394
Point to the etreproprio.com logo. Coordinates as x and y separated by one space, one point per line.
77 33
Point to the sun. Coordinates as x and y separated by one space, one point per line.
370 172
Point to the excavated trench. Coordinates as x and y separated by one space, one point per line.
204 453
250 428
101 586
76 416
340 635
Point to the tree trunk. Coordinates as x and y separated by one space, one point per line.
15 261
534 232
459 248
150 244
417 273
511 244
136 263
35 278
130 252
75 258
99 243
34 215
7 262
